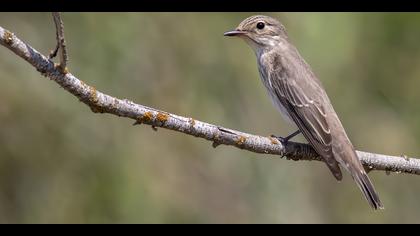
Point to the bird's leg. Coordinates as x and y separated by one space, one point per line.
287 138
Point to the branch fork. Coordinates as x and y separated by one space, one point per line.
61 43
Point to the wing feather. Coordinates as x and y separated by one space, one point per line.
309 115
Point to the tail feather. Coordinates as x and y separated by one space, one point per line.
345 153
368 190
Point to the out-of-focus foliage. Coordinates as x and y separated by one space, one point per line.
59 162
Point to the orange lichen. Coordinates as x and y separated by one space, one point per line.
241 140
273 140
161 117
93 95
64 70
93 101
147 117
8 37
83 83
192 122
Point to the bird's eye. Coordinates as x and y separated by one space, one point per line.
260 25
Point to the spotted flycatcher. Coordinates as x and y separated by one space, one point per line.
301 98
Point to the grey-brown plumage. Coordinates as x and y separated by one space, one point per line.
301 98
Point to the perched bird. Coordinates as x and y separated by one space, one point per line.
301 98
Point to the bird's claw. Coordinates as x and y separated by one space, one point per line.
280 139
286 139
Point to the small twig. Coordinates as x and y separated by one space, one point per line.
103 103
61 42
54 52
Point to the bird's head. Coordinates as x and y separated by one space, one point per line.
260 32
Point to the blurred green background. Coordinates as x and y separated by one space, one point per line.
61 163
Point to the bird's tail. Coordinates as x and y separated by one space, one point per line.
352 164
366 186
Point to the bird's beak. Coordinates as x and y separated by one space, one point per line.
234 33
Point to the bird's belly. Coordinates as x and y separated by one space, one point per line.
280 107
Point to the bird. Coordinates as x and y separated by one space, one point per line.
302 100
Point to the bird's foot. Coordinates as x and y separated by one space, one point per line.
282 140
285 140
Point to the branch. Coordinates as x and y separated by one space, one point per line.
103 103
61 42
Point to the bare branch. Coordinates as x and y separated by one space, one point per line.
103 103
61 42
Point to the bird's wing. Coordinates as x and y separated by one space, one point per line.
308 112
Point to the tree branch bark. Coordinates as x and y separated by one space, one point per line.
103 103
